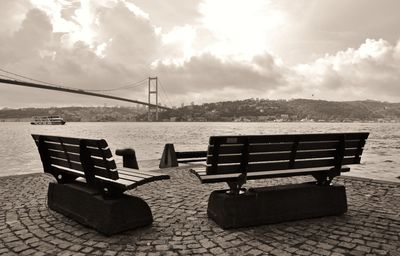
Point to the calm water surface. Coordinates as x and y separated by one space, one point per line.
18 153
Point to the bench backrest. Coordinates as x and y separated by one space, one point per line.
75 157
238 154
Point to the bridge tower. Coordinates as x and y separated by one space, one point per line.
153 89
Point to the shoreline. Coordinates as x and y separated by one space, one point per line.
222 121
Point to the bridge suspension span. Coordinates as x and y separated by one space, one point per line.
152 107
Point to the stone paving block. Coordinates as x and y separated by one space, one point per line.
370 226
3 251
38 254
254 252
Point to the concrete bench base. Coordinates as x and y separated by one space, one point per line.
88 207
276 204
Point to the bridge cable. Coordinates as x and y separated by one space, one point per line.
35 80
58 85
137 84
9 77
165 93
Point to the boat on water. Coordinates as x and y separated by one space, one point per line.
47 120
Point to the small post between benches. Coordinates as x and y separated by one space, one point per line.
128 158
172 158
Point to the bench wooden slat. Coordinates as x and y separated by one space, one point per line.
199 171
104 163
119 183
190 160
65 163
281 165
77 166
93 151
75 141
191 154
72 172
273 156
277 147
141 174
147 172
134 174
66 140
151 179
99 167
64 155
261 175
106 152
75 149
327 144
287 137
111 174
68 148
129 177
137 175
127 184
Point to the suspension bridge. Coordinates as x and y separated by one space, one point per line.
153 108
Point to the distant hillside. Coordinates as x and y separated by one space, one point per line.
249 110
286 110
74 114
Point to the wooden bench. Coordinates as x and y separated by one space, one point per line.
172 158
86 172
236 159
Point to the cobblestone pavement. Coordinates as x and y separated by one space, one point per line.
181 227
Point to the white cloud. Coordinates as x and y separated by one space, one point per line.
179 41
371 71
136 10
241 29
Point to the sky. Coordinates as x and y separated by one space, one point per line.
200 50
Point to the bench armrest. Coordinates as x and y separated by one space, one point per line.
128 157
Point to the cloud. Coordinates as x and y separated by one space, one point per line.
11 15
33 35
107 44
205 73
171 13
241 29
371 71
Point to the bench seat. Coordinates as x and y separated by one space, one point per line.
128 178
200 172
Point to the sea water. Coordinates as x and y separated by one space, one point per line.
18 153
